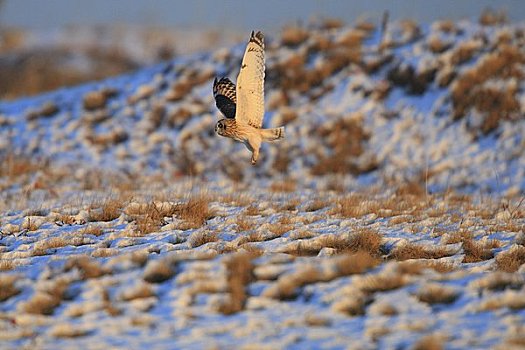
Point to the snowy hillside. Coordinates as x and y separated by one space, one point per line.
391 216
443 102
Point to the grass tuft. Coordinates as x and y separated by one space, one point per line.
7 287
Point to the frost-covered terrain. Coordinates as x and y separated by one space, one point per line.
391 216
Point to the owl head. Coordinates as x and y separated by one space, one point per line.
222 126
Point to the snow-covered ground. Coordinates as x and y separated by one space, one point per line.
390 216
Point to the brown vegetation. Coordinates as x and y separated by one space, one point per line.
356 263
364 240
417 251
430 342
44 302
108 210
416 267
196 211
382 282
66 330
433 293
346 138
239 273
158 271
139 291
199 238
243 224
42 247
468 90
90 268
92 230
512 259
288 185
7 287
474 251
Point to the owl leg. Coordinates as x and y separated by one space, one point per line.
254 146
255 156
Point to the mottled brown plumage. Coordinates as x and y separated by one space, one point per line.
243 105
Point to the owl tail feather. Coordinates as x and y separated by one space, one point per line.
273 134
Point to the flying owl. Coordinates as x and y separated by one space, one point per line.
243 106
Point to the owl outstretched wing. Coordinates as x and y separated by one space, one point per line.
225 99
250 83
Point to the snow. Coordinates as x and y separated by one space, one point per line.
114 283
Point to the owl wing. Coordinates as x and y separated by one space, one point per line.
250 83
225 99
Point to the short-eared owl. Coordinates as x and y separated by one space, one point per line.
243 106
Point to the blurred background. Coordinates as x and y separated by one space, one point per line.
45 45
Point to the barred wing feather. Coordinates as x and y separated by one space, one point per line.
225 99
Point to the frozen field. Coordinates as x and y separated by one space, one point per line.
392 215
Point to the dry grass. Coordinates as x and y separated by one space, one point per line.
301 234
468 90
279 228
316 204
288 185
243 224
90 268
417 251
139 291
430 342
408 200
96 99
475 252
294 35
66 330
433 293
7 265
346 138
196 211
149 217
94 230
252 210
42 247
288 285
498 281
31 225
15 165
491 17
257 236
512 259
303 247
290 205
416 267
199 238
239 273
313 320
157 271
104 252
382 282
514 300
364 239
349 264
109 210
45 302
7 287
